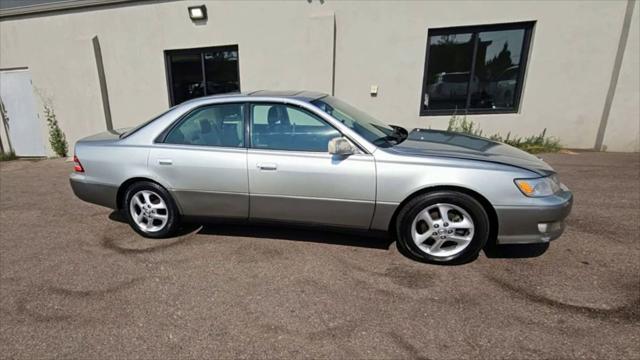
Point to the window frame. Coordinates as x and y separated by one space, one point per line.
249 121
162 137
527 26
198 51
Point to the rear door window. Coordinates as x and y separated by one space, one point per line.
212 125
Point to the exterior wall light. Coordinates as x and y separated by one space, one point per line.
198 12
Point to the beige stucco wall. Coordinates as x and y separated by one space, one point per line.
624 118
572 53
57 49
288 45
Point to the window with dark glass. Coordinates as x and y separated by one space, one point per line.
214 125
475 69
192 73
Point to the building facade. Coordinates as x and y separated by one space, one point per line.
518 67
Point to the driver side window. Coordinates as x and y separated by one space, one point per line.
284 127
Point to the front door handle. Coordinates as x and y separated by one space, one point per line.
267 166
165 161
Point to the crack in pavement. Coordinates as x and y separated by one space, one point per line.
629 313
36 293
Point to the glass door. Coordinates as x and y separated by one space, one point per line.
193 73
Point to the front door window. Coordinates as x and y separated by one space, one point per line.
282 127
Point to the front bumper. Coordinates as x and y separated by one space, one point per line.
539 223
95 193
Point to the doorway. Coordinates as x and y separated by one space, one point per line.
20 118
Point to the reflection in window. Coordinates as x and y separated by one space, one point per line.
198 72
186 75
221 71
455 83
453 139
448 67
497 68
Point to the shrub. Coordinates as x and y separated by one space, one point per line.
460 124
8 156
533 144
56 137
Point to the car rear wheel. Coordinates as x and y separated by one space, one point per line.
150 210
443 227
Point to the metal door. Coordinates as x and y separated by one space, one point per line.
206 181
203 162
25 130
312 188
292 176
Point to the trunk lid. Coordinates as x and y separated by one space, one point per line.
106 136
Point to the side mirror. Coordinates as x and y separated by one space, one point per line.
341 146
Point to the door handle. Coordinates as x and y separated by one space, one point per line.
165 161
267 166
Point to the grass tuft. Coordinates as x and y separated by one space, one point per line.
532 144
8 156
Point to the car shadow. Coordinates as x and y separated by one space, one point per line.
334 236
514 251
299 233
274 231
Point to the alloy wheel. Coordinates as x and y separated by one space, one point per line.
442 230
148 211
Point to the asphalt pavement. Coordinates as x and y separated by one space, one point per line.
77 282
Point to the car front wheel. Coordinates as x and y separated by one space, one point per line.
150 210
444 227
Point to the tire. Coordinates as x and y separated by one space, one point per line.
149 201
452 240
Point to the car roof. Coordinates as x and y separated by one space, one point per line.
291 94
302 95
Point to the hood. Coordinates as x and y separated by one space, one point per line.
422 142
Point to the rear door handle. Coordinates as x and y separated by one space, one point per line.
165 161
267 166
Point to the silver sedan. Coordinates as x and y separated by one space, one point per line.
304 157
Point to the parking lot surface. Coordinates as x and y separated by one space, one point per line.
77 282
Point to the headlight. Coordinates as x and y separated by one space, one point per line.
539 187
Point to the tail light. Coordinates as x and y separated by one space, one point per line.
77 166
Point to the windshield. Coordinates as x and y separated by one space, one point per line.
365 125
